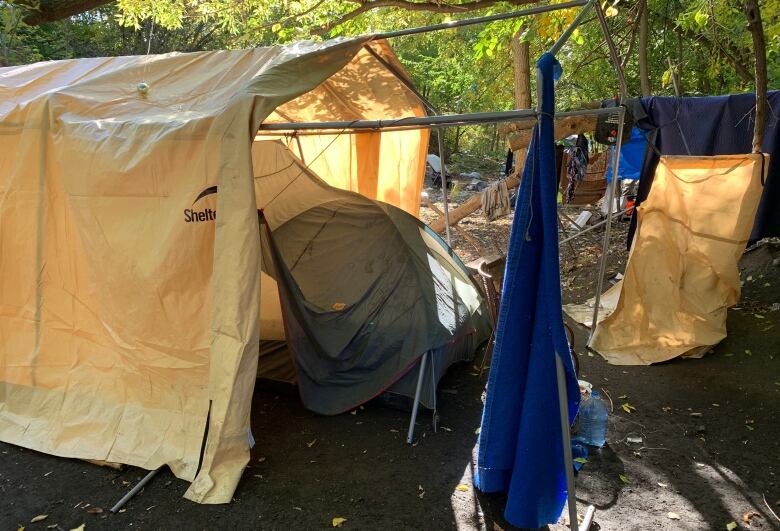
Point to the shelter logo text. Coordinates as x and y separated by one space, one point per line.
196 216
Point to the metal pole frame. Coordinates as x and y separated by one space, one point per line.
416 403
444 190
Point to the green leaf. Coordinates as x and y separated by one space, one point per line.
628 408
276 27
701 18
580 460
623 478
731 526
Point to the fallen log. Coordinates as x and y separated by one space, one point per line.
519 137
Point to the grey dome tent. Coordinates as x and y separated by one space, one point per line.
365 289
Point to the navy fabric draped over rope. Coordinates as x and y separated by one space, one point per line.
520 442
713 125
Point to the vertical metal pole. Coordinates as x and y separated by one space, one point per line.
568 461
563 404
417 392
613 53
608 229
440 137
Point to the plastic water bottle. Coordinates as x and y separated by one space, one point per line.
593 420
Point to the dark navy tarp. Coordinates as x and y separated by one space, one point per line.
632 155
717 125
520 442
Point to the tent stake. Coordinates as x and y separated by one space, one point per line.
134 490
416 404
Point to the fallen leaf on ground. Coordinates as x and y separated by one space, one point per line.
462 488
696 414
580 460
394 431
749 516
445 428
663 485
623 478
310 444
20 528
39 518
672 516
79 528
94 510
731 526
476 432
758 316
297 509
52 526
338 521
623 397
628 408
748 352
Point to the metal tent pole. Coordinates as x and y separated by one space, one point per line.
414 122
135 490
480 20
416 404
568 461
613 53
555 48
421 122
608 229
444 191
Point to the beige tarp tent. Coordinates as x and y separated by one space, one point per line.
682 272
125 322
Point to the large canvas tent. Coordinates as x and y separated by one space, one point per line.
131 312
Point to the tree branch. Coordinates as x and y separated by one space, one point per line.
365 6
43 11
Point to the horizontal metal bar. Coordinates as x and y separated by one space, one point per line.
416 122
420 122
480 20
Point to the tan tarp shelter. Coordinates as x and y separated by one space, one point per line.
682 272
125 321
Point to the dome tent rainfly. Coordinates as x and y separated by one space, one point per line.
131 312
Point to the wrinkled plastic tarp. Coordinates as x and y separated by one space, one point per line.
128 313
682 272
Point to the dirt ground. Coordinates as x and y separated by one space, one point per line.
710 450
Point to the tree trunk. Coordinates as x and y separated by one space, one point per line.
753 14
522 66
644 76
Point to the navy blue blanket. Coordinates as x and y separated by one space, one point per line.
714 125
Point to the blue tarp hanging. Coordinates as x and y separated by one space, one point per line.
520 442
632 155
